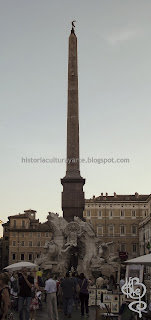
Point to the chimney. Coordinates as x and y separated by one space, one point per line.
101 194
106 194
115 194
136 195
93 197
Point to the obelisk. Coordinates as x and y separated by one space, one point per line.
72 195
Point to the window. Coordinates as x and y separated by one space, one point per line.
38 255
133 214
30 243
6 238
110 214
111 230
23 223
134 248
22 256
22 235
123 247
134 230
39 234
15 223
99 214
47 234
100 230
14 256
144 213
6 248
38 244
22 244
122 214
30 257
14 243
88 213
30 234
122 230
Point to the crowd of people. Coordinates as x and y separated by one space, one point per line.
65 292
23 291
18 290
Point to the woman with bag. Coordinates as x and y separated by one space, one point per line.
4 296
84 294
34 304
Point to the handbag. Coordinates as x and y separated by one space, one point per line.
78 288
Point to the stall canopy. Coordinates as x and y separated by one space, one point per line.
20 265
145 260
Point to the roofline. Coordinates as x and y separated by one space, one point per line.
119 195
118 200
109 201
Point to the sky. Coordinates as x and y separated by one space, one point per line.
114 67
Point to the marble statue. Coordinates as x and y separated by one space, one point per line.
75 246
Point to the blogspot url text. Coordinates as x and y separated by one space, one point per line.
90 160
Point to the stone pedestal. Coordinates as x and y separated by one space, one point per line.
72 198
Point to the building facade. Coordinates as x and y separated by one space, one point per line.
26 237
116 218
5 244
145 235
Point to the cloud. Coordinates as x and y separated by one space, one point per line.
117 37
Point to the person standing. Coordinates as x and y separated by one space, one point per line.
26 282
67 286
112 284
99 281
84 294
122 282
76 287
15 290
34 304
4 295
51 300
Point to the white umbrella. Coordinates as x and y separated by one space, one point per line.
145 260
20 265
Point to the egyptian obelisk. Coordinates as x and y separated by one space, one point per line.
72 195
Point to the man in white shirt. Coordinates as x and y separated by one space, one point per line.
99 281
51 289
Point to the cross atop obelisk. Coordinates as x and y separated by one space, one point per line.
73 195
